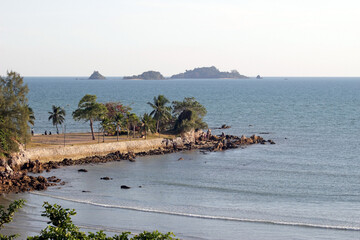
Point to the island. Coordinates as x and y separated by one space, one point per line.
258 77
96 75
208 72
149 75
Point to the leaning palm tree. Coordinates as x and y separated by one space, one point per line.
160 112
57 116
31 119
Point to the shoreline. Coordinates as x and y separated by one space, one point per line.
14 178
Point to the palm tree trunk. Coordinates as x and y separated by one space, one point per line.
57 130
134 131
92 129
158 126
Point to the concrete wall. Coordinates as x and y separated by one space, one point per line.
81 151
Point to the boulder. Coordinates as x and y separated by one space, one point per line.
124 187
106 178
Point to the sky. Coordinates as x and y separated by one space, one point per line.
127 37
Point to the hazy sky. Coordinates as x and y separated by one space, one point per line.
126 37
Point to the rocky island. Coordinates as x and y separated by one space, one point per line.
208 72
149 75
96 75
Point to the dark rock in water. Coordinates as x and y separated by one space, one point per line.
258 77
106 178
224 126
96 75
140 186
180 159
85 191
271 141
82 170
53 179
124 187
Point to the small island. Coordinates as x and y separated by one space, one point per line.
258 77
96 75
208 72
149 75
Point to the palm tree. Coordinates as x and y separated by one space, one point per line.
133 120
57 116
148 124
31 119
160 110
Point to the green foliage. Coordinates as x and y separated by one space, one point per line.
189 114
31 116
148 124
61 226
90 110
133 120
161 113
57 116
6 216
14 113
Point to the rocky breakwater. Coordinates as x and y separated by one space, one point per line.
14 170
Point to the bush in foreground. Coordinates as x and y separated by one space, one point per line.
61 226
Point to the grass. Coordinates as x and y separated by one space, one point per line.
71 139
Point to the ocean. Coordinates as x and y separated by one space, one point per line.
306 186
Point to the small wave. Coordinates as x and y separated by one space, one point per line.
192 215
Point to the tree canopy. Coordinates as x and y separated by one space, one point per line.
57 116
161 112
89 110
189 115
14 113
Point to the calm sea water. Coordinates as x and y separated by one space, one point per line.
307 186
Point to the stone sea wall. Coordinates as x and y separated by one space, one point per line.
100 149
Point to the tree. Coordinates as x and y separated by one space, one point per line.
189 115
14 113
57 116
133 121
160 112
32 118
148 124
61 226
89 110
6 216
117 114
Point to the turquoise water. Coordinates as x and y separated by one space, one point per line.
307 186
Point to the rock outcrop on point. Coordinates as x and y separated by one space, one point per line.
96 75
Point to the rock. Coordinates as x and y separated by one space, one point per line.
124 187
85 191
96 75
180 159
67 162
224 126
106 178
82 170
53 179
42 179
